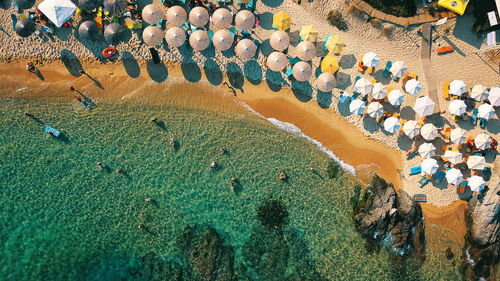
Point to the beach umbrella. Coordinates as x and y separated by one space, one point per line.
363 86
392 124
329 64
279 40
152 14
370 59
245 49
457 107
25 4
222 39
281 21
454 176
379 91
199 40
222 18
479 93
424 106
429 166
429 131
454 157
176 16
482 141
309 33
476 162
411 128
476 183
57 11
88 30
486 111
494 96
302 71
277 61
244 20
114 33
115 7
413 87
427 150
457 87
175 37
398 69
375 109
357 107
326 82
458 136
25 27
89 5
306 51
395 97
152 35
199 16
334 44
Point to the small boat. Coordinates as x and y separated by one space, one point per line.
52 131
419 198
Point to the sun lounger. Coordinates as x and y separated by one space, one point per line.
369 70
461 187
446 91
387 69
449 147
46 29
473 118
52 131
354 96
419 198
232 31
438 177
405 78
14 20
444 49
293 61
482 123
395 115
356 79
413 75
374 80
412 154
446 133
326 40
210 34
423 181
343 97
98 21
415 170
289 73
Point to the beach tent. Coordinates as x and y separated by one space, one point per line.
454 157
476 183
479 92
152 14
429 166
454 176
413 87
363 86
392 124
114 33
277 61
457 87
25 4
57 11
326 82
175 37
199 40
395 97
424 106
476 162
89 5
115 7
411 128
457 107
222 18
88 30
379 91
429 131
482 141
309 33
398 69
281 21
244 20
176 16
199 16
486 111
152 35
334 44
222 39
25 27
329 64
306 51
494 96
302 71
457 6
245 49
427 150
279 40
375 109
458 136
370 59
357 107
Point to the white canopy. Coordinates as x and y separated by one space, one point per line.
494 96
479 93
357 107
411 128
457 107
457 87
413 87
57 11
427 150
398 69
395 97
429 131
458 136
486 111
362 86
424 106
454 157
429 166
476 183
392 124
482 141
476 162
379 91
375 109
370 59
454 176
326 82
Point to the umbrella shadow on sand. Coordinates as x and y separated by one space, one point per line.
272 3
212 72
253 72
274 80
235 75
131 66
324 99
302 90
404 142
370 124
347 61
343 80
158 72
71 62
191 70
266 21
407 113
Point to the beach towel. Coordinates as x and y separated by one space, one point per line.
14 21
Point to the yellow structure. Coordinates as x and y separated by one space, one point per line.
457 6
330 64
334 44
309 33
281 21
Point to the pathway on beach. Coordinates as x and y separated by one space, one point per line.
425 57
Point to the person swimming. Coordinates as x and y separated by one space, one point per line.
213 165
222 150
172 141
283 176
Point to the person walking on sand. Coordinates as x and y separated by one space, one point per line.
30 67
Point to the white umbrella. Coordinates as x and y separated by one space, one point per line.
152 14
454 176
476 183
458 136
429 131
175 37
277 61
413 87
244 20
494 96
176 16
306 50
395 97
370 59
379 91
427 150
482 141
454 157
57 11
429 166
392 124
222 39
398 69
198 16
411 128
302 71
457 87
476 162
362 86
326 82
222 18
279 40
424 106
375 109
357 107
457 107
245 49
199 40
486 111
152 35
479 93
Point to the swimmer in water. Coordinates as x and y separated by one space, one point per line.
283 176
213 165
172 141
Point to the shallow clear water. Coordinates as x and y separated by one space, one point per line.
63 219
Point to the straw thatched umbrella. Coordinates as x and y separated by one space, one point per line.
413 87
198 16
363 86
494 96
88 5
334 44
306 50
357 107
375 109
176 16
88 30
114 33
482 141
476 183
454 176
429 166
457 107
486 111
476 162
395 97
326 82
398 69
330 64
424 106
244 20
454 157
222 39
479 92
379 91
427 150
152 14
115 7
411 128
152 35
458 136
199 40
281 21
302 71
25 27
392 124
429 131
25 4
245 49
309 33
276 61
370 59
175 37
279 40
457 87
222 18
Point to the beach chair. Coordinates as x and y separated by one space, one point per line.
232 30
423 181
482 123
387 69
420 198
446 133
444 49
438 177
293 61
356 79
52 131
473 118
354 96
414 75
98 21
446 91
395 115
405 78
461 187
415 170
46 29
343 97
412 153
289 73
210 34
374 80
369 70
324 44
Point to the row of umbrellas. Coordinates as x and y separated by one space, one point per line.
378 91
454 176
478 92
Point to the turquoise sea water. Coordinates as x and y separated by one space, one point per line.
64 219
